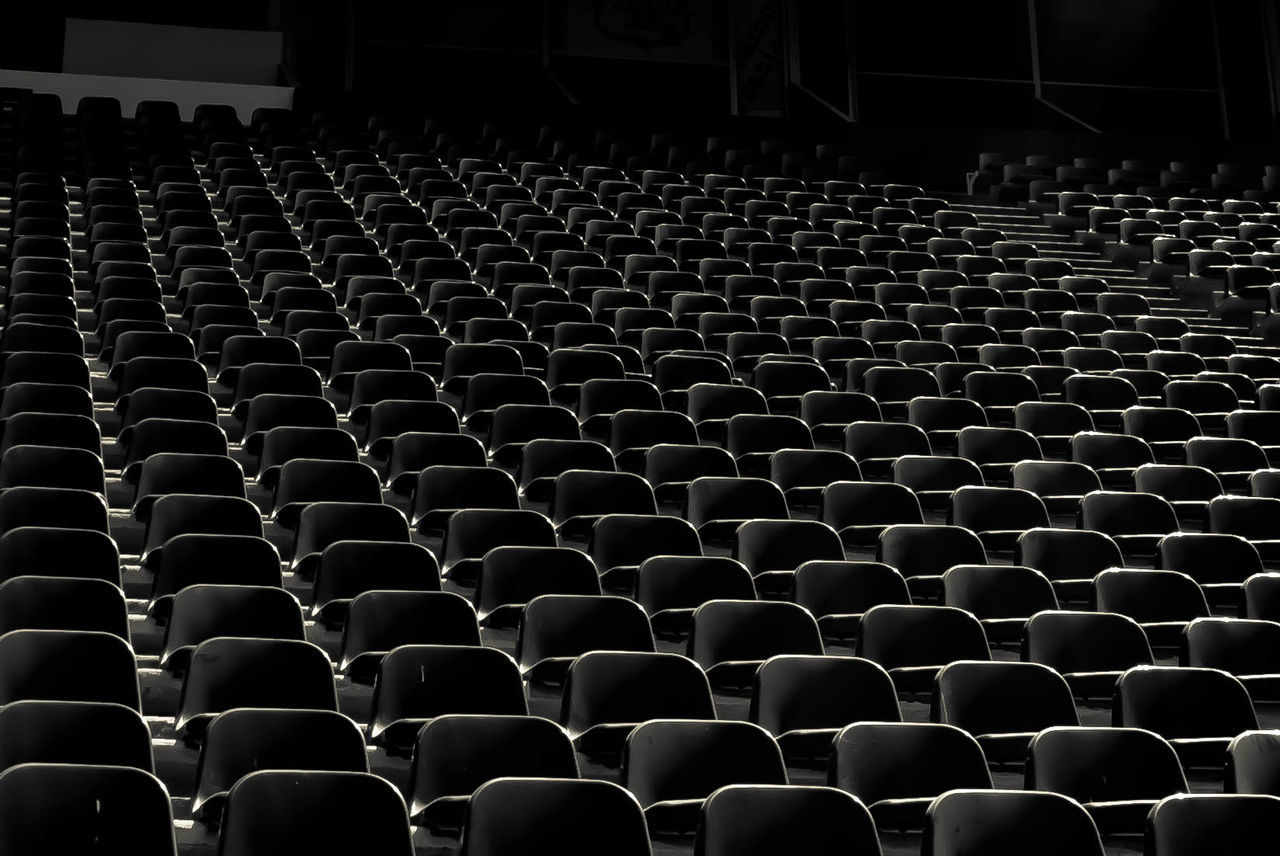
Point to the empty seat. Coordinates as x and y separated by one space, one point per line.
294 811
323 523
244 740
730 638
671 766
1004 823
803 699
897 769
752 820
1197 710
418 682
58 807
229 672
527 817
67 665
1002 704
606 693
1117 774
455 754
1163 602
914 642
1244 648
1184 824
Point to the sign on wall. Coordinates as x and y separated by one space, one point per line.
758 58
658 30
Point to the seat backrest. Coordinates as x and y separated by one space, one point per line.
1007 823
1188 824
1103 764
530 817
284 811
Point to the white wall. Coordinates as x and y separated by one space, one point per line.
124 49
130 90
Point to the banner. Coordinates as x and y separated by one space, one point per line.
758 67
658 30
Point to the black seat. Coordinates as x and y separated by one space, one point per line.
244 740
74 808
456 754
300 811
1006 823
530 817
418 682
897 768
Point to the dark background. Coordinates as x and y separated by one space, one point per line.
929 84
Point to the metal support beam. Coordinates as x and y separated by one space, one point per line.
1033 31
1217 59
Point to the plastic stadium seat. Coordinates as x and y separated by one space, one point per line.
1219 563
52 551
1117 774
620 543
391 418
530 816
773 549
838 593
1197 710
606 693
1163 602
897 769
511 576
455 754
1252 518
203 611
50 506
671 766
1251 766
1240 647
230 672
1135 521
470 533
1090 650
73 807
414 451
1003 823
242 741
62 603
671 588
68 665
860 511
1211 823
323 523
581 497
182 515
52 466
378 621
927 551
444 489
1002 597
155 435
418 682
999 515
51 732
914 642
1189 489
173 472
193 558
292 811
748 820
557 628
730 638
804 699
1002 704
717 506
